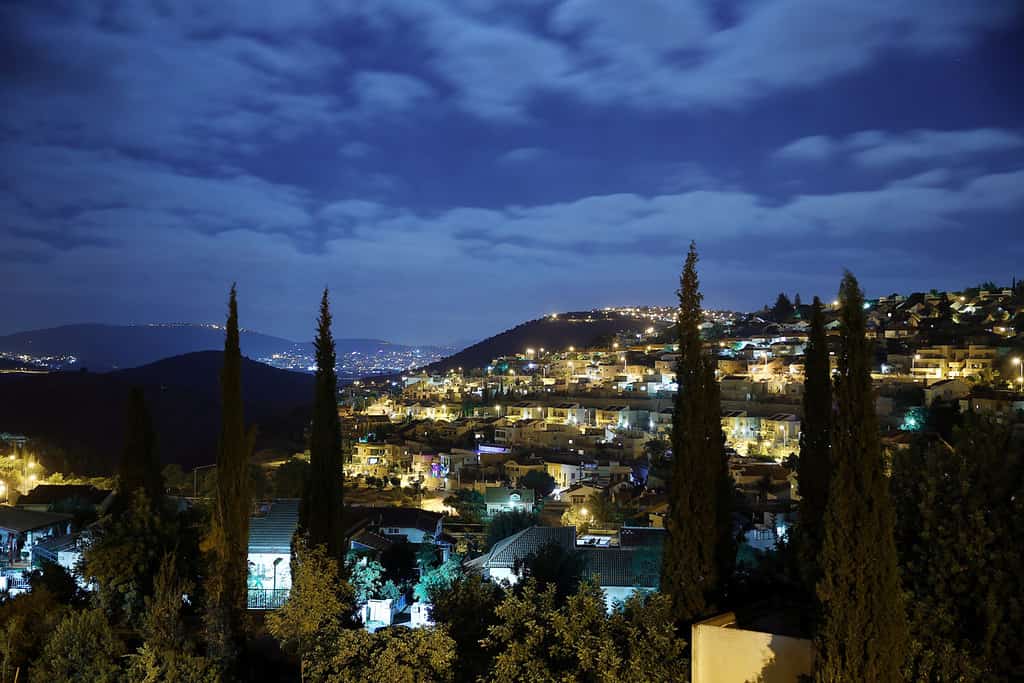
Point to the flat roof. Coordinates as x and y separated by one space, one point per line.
19 520
272 531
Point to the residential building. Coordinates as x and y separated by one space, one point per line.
946 390
270 551
620 571
378 460
21 530
934 363
500 499
397 524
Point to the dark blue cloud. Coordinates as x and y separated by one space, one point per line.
471 162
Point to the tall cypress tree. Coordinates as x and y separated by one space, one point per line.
862 634
719 476
693 555
815 448
140 466
229 535
321 510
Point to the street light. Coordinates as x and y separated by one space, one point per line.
276 562
1020 368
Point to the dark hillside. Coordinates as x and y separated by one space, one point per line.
579 329
82 413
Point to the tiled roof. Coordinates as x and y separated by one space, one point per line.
372 540
272 532
518 547
637 568
632 536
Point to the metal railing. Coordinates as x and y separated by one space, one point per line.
266 598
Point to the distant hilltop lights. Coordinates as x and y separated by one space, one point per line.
380 361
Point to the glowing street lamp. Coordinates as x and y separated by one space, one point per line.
1020 368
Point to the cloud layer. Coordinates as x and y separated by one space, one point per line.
482 160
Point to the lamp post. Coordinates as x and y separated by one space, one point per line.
276 562
1020 371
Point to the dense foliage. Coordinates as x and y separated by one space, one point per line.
539 482
960 516
83 648
536 639
123 554
468 505
862 633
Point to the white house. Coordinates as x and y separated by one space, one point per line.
503 499
270 553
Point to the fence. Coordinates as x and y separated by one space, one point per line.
266 598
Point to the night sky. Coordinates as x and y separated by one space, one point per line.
450 169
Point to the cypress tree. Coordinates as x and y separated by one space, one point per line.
694 555
862 634
719 476
229 534
321 509
813 470
140 466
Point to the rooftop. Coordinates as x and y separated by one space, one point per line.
635 567
18 520
271 531
519 546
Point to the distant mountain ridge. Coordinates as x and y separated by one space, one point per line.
102 347
83 413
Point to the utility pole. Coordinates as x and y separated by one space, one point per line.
195 478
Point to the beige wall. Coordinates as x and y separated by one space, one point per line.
722 654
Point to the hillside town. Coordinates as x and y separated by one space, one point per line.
473 470
586 413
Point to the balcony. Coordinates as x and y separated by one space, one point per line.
266 598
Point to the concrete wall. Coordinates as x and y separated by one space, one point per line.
262 571
723 654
